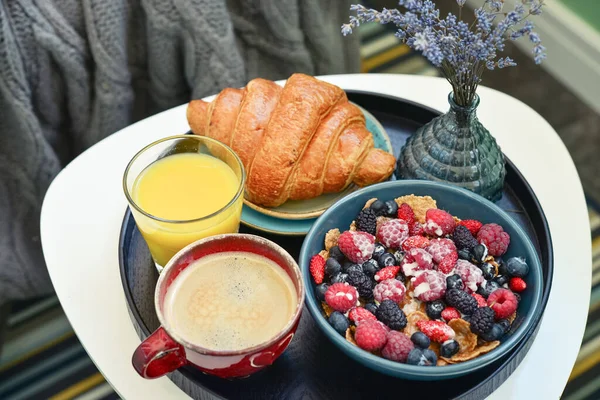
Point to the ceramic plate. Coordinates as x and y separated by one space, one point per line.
312 208
278 226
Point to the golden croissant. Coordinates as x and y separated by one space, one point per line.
296 142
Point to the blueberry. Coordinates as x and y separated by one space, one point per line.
354 268
480 252
454 282
320 291
371 307
379 207
386 260
516 266
449 348
339 322
434 309
518 296
495 333
391 209
420 340
337 254
332 267
416 357
401 277
399 256
431 357
501 266
501 279
505 324
465 254
370 267
339 278
378 250
487 287
488 271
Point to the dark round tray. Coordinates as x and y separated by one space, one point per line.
312 368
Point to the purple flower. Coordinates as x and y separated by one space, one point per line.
506 62
461 2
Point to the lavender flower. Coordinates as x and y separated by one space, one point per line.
462 52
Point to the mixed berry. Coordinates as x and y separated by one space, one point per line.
413 284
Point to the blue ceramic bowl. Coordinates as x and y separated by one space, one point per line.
459 202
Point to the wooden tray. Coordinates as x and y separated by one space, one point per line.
312 368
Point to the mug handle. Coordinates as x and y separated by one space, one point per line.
158 355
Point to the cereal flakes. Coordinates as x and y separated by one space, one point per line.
419 204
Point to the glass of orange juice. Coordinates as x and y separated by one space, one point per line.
181 189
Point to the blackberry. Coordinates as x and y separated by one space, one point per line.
501 279
449 348
487 287
390 314
339 278
454 282
488 271
434 309
420 340
354 268
399 256
370 267
320 291
336 254
378 250
463 239
366 221
462 301
379 207
386 260
371 307
479 252
391 209
362 283
347 265
505 324
339 322
464 254
494 334
332 267
482 320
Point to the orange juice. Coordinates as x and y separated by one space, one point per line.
180 191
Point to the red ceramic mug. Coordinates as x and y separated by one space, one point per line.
164 350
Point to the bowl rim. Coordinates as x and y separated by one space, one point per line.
413 370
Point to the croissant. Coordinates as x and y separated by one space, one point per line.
296 142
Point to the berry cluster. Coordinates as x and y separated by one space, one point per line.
416 285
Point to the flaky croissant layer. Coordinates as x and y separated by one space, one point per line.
296 142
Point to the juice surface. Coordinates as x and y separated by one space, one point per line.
184 187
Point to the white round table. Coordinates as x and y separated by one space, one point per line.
83 210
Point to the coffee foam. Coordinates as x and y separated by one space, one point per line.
230 301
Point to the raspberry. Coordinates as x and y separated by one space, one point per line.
406 213
517 284
470 275
482 320
438 222
362 283
391 289
360 314
317 268
450 313
447 264
416 229
480 299
429 285
423 259
370 335
366 221
462 301
419 242
472 225
440 248
397 347
437 331
356 246
463 238
494 238
503 302
391 315
387 273
341 297
392 233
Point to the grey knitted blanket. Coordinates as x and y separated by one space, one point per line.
74 71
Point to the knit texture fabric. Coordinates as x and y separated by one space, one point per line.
75 71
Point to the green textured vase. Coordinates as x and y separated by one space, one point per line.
457 149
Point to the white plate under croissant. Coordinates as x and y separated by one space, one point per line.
304 146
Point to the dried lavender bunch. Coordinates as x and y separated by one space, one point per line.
460 51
